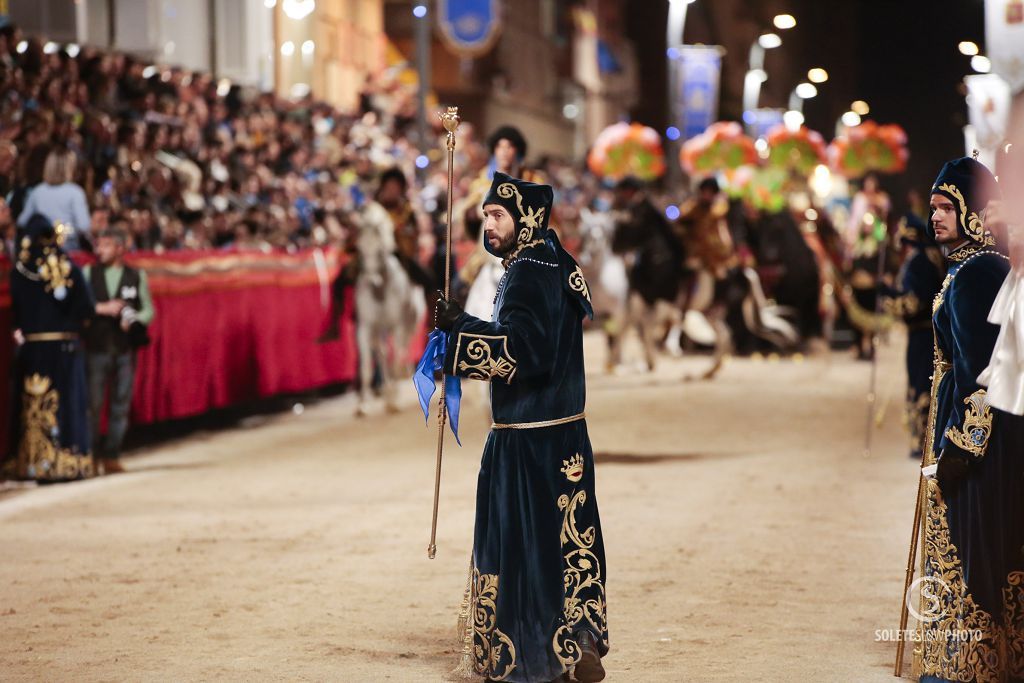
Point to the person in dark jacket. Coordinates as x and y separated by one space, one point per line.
124 309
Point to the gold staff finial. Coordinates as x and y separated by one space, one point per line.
450 120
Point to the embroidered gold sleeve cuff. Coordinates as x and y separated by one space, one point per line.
973 436
484 357
902 306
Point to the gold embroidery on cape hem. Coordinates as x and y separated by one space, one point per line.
584 586
484 365
977 428
1013 615
39 455
943 655
494 655
578 283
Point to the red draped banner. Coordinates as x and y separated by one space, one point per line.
229 327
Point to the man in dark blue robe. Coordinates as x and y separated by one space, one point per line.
536 607
51 302
973 597
919 280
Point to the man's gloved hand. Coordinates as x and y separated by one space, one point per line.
952 468
446 312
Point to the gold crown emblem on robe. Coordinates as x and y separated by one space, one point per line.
37 385
573 468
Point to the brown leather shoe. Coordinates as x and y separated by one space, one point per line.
112 466
589 669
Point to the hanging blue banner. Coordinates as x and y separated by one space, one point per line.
699 70
469 27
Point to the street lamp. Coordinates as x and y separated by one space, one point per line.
817 75
784 22
860 107
756 75
673 41
803 91
968 48
769 41
981 64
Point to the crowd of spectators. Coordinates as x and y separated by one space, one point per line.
182 160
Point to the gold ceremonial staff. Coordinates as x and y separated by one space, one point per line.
450 121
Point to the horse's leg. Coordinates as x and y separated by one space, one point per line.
366 352
393 369
615 329
648 321
723 340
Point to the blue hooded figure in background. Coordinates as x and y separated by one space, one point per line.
535 603
919 280
51 303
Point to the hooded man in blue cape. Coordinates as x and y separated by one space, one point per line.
919 280
973 605
535 608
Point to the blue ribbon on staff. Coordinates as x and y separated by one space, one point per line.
423 380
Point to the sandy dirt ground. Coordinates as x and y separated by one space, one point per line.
748 538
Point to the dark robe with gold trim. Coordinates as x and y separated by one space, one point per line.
538 570
50 396
974 533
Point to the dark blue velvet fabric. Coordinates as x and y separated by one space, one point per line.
920 280
49 382
984 512
538 558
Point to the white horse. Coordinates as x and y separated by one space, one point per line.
389 307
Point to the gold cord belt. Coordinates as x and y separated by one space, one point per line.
51 336
538 425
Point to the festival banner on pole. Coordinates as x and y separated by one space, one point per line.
988 108
469 27
1004 40
699 75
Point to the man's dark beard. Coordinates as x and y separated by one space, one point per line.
506 245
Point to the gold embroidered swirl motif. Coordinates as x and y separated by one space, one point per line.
507 261
963 253
39 454
494 654
917 417
977 428
529 217
972 224
581 576
578 283
943 655
482 363
902 306
1013 615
